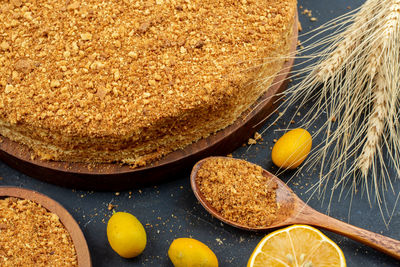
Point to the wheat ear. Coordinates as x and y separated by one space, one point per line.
376 125
376 122
351 38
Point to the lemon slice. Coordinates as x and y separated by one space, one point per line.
297 246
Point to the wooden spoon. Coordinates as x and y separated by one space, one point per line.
292 210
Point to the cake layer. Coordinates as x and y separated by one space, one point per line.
130 81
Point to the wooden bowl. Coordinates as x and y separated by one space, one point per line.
78 239
119 177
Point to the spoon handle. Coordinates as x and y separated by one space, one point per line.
379 242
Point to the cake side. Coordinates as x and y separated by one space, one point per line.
197 86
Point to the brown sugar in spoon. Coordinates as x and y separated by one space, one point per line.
292 210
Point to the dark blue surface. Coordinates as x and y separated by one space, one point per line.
170 210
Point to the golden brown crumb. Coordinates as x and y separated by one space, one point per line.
251 141
239 191
307 12
257 136
32 236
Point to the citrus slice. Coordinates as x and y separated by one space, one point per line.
297 246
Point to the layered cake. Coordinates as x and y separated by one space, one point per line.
129 81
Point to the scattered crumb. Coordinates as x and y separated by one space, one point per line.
111 206
307 12
251 141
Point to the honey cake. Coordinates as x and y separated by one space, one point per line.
130 81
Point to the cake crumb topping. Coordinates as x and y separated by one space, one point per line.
133 62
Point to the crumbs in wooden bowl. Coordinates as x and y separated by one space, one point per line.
30 235
239 191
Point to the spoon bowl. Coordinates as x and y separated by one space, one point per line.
286 198
292 210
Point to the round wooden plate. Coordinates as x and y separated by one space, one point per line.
118 177
82 250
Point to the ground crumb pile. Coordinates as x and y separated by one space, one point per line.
238 190
32 236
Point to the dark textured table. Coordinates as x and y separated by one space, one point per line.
169 210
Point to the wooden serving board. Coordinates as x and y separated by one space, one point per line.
119 177
78 239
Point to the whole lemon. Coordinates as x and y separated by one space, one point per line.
126 235
189 252
292 149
